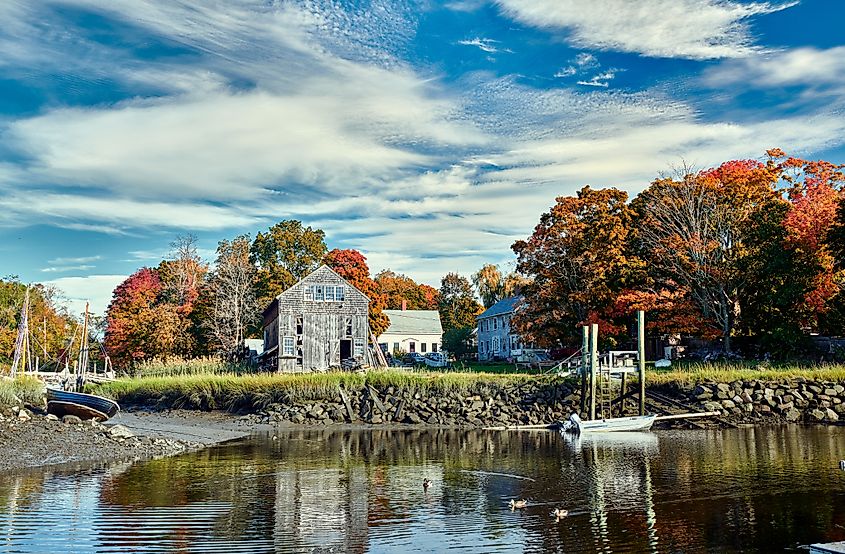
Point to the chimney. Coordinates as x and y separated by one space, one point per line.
404 304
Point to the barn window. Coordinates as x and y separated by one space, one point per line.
329 293
348 326
359 348
287 346
319 293
309 292
338 294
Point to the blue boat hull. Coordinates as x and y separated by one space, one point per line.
108 407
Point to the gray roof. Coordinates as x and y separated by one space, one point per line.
414 322
503 306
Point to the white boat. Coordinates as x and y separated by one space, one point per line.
634 423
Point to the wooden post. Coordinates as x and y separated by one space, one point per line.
594 366
641 356
585 359
622 392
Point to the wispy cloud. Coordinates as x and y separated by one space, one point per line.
79 260
694 29
94 289
599 80
485 44
567 71
66 268
819 69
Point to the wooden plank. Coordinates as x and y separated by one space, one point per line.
687 416
378 403
349 412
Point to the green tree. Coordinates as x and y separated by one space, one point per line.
457 341
283 255
458 306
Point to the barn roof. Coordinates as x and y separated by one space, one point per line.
503 306
414 322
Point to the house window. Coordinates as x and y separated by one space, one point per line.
480 325
495 323
338 294
422 347
481 346
287 346
359 348
329 293
434 347
396 347
412 346
319 293
495 344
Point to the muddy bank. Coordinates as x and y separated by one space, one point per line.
37 440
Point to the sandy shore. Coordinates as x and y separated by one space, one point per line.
41 441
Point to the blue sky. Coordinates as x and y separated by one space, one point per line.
428 135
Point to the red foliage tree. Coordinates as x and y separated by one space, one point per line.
130 319
352 266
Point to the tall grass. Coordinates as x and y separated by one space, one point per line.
693 373
24 389
195 366
232 392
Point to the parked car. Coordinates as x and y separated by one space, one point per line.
414 358
436 359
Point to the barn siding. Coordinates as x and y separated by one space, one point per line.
324 323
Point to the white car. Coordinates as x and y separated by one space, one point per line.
436 359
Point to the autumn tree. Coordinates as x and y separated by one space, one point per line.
458 307
131 319
283 255
397 287
182 277
693 229
50 323
232 303
352 266
492 286
577 261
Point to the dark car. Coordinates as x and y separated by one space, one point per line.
414 358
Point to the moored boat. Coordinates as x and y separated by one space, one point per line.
634 423
62 402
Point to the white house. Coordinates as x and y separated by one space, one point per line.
412 331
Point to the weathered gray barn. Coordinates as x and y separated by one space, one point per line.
315 324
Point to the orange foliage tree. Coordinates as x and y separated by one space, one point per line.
397 287
352 266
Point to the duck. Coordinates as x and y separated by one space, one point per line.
426 484
560 513
518 504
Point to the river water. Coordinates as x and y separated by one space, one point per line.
750 490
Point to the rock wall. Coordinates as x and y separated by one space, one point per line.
793 401
509 405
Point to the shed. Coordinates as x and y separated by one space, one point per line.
315 324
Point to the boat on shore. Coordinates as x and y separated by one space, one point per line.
634 423
85 406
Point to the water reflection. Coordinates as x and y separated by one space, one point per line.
310 490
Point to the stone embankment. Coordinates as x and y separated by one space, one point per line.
523 404
794 401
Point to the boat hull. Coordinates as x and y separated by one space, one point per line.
616 424
107 407
61 409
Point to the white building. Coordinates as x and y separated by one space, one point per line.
412 331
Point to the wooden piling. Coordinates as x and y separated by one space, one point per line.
585 359
641 357
594 366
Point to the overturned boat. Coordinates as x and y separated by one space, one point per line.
635 423
85 406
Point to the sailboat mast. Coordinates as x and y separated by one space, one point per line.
22 341
83 344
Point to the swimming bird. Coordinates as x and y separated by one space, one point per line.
426 484
518 504
560 512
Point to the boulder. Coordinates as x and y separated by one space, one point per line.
728 404
120 432
830 415
817 415
785 407
51 417
830 392
71 420
839 389
23 415
412 418
723 387
792 415
746 398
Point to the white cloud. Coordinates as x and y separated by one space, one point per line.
694 29
811 67
599 80
585 60
78 260
63 269
484 44
567 71
95 289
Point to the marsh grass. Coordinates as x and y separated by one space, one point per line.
180 367
28 390
690 374
233 392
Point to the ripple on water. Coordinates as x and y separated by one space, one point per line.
326 490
